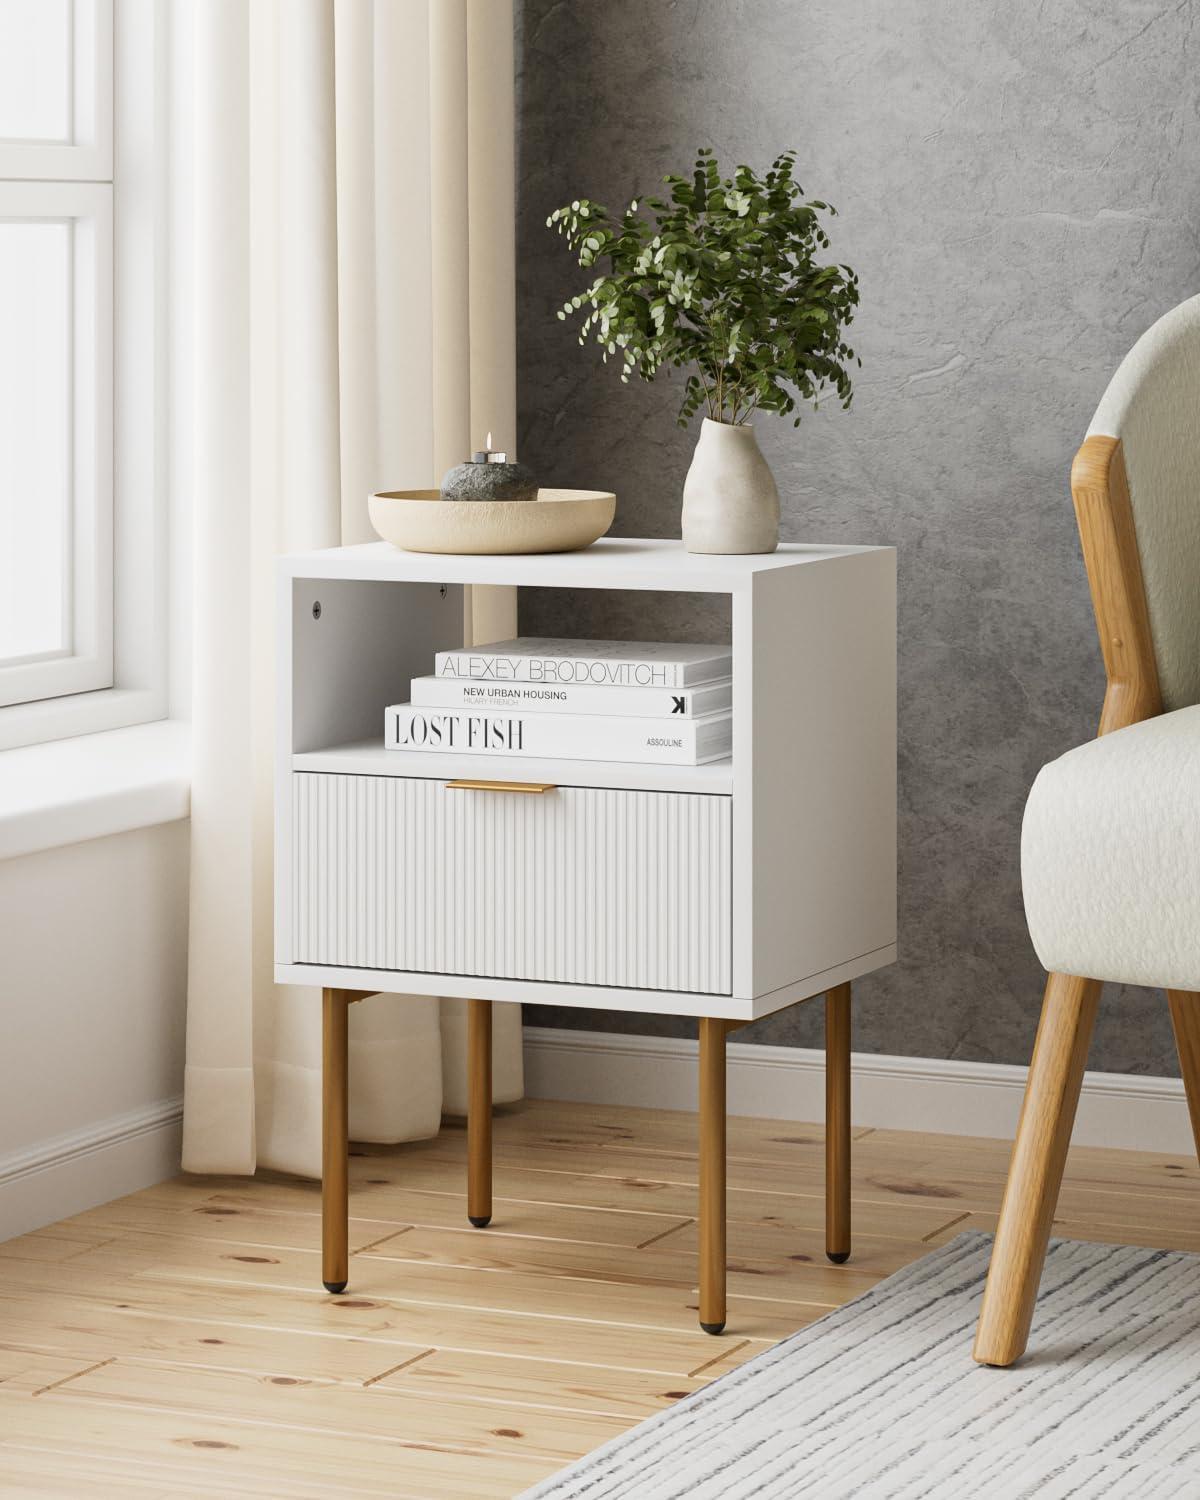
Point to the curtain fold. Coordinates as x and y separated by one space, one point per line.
352 226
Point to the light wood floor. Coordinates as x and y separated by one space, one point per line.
178 1343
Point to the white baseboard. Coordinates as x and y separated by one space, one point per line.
897 1093
54 1179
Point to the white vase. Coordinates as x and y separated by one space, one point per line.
730 502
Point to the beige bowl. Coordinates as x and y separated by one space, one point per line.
557 521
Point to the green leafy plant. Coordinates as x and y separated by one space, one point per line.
724 279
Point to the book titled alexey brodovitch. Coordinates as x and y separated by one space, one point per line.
572 698
600 663
680 742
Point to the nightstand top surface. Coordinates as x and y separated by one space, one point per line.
612 562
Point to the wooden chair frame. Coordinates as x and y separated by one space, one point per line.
335 1207
1100 490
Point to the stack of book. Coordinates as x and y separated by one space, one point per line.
573 700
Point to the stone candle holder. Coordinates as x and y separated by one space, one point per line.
489 476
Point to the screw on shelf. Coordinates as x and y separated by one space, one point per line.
442 590
316 609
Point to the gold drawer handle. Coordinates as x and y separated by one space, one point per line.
502 786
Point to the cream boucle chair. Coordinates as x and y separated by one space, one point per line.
1110 846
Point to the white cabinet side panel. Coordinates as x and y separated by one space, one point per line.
580 886
821 771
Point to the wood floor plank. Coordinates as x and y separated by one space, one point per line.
94 1332
624 1394
1154 1232
519 1167
31 1371
86 1329
783 1243
1137 1170
1077 1201
260 1457
204 1220
625 1227
371 1314
43 1245
653 1305
555 1123
382 1412
24 1477
670 1260
522 1192
770 1168
883 1164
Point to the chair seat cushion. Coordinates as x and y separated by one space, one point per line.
1110 856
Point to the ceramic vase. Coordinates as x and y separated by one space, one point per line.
730 501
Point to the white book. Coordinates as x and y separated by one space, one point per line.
572 698
682 742
602 663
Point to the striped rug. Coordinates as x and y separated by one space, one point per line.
880 1400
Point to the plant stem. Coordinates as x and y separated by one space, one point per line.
707 392
716 335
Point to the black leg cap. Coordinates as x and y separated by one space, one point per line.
838 1257
480 1221
713 1327
335 1286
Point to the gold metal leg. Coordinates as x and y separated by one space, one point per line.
1035 1173
335 1201
712 1174
837 1124
479 1112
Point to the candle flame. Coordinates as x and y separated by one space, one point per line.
488 444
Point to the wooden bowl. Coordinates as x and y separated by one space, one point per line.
557 521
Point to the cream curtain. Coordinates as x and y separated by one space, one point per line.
345 243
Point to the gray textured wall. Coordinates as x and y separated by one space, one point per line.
1018 190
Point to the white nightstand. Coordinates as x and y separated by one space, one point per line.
724 891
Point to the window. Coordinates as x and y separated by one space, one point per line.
56 354
82 505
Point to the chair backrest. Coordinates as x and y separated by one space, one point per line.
1152 406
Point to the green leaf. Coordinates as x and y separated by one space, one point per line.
724 280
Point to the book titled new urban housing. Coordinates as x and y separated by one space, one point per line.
675 742
599 663
572 697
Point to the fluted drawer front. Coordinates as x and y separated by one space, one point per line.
579 885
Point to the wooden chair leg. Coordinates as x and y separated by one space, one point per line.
837 1124
335 1201
479 1112
1035 1172
1185 1018
712 1174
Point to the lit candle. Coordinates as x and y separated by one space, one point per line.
487 455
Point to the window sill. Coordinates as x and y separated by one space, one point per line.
96 784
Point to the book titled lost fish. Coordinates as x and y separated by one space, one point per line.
681 742
572 698
602 663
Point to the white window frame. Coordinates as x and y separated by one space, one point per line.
118 175
86 663
89 155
